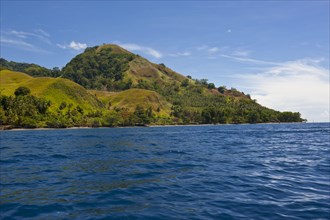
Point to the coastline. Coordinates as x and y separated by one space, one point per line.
8 128
42 129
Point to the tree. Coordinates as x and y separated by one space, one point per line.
253 117
99 68
22 91
149 112
80 110
290 117
185 83
222 89
202 81
141 116
211 86
62 105
56 72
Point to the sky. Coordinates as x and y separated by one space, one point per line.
276 51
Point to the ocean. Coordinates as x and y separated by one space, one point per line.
260 171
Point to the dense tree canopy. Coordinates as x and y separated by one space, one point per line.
99 69
31 69
22 91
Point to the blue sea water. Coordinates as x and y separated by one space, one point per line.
264 171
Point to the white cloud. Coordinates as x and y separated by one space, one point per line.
229 31
77 46
73 45
213 50
300 86
146 50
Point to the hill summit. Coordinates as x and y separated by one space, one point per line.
110 67
108 86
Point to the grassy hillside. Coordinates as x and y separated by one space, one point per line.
142 69
131 98
9 81
57 90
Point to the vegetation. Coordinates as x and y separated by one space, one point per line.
130 99
124 89
29 68
100 68
23 110
57 90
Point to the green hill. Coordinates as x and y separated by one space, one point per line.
110 67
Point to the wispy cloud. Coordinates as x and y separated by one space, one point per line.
310 44
15 42
241 53
73 45
26 40
19 34
20 44
39 34
62 46
300 85
146 50
249 60
202 47
43 32
180 54
208 49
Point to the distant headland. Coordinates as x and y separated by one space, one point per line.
107 86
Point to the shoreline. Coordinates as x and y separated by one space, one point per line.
42 129
3 128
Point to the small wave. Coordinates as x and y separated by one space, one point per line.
8 161
171 152
27 157
4 148
100 146
40 211
59 156
89 136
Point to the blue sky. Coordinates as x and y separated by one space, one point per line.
277 51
